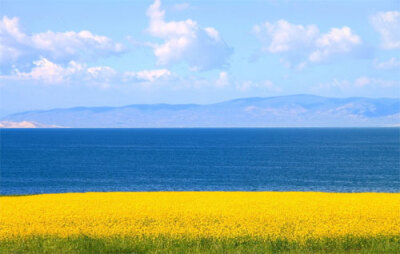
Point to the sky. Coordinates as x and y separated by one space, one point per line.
58 54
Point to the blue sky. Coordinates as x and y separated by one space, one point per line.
94 53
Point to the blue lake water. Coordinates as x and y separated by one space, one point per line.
82 160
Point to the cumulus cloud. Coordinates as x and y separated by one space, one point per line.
302 44
283 36
57 46
185 41
337 41
47 72
388 25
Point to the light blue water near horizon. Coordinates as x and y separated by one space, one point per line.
225 159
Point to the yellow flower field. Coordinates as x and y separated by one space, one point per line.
289 215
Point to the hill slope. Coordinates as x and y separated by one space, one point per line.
285 111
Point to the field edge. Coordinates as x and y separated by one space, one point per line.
162 244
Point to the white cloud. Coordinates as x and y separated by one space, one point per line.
10 35
75 44
388 25
283 36
298 44
201 48
149 75
337 41
102 74
56 46
391 64
47 72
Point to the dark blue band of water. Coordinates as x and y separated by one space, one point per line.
82 160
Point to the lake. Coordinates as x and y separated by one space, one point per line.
260 159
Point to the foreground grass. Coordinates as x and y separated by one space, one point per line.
84 244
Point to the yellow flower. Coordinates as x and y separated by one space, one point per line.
292 215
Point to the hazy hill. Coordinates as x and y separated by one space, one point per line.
284 111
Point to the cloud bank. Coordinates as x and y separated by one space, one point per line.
49 73
16 45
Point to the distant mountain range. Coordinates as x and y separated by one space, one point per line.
284 111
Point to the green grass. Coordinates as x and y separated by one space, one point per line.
83 244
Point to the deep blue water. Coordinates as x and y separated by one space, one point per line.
81 160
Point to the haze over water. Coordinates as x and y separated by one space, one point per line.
278 159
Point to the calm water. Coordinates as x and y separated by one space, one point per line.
80 160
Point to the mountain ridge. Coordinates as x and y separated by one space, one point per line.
299 110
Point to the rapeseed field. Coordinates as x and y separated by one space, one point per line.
292 216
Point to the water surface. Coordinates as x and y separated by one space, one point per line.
281 159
